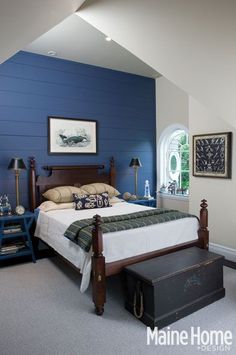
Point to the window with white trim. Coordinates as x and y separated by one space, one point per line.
174 162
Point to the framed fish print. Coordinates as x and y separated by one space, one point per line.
212 155
72 136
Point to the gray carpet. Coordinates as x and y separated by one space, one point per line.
43 312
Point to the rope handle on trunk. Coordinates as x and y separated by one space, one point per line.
138 293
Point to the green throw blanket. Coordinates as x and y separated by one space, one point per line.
80 232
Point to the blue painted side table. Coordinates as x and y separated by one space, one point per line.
15 240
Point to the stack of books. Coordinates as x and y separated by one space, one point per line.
12 248
12 228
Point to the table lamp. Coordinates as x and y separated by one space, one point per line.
135 163
17 164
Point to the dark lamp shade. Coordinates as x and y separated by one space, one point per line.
17 164
135 163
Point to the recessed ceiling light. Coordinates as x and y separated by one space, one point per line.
108 39
52 53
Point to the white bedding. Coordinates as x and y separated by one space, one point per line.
118 245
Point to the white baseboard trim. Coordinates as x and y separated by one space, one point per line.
229 253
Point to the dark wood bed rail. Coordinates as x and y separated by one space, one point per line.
71 167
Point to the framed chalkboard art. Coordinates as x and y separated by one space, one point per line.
212 155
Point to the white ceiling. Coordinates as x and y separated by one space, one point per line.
22 21
74 39
191 43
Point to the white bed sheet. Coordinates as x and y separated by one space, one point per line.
117 245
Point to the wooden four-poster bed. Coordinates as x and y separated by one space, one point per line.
77 175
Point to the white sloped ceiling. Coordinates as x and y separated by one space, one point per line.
22 21
192 43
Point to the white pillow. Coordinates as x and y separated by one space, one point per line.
50 206
115 199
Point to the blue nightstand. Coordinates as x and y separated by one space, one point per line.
144 202
15 237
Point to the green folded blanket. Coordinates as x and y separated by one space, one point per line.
80 232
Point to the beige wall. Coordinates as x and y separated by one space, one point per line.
172 105
175 106
220 193
172 109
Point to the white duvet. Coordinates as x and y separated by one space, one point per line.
117 245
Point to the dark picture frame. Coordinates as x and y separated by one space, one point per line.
212 155
71 135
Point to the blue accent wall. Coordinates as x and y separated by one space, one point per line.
33 87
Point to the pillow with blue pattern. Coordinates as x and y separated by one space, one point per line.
91 201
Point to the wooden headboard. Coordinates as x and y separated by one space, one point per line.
61 175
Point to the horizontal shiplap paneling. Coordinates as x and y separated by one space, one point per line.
33 87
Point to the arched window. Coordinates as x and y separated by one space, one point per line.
174 161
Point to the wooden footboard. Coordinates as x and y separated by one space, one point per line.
100 269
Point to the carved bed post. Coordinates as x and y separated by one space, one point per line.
98 268
203 233
112 172
33 201
32 184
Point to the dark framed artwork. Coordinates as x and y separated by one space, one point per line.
72 136
212 155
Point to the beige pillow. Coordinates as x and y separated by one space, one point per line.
62 194
99 188
49 206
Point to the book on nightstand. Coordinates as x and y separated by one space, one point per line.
12 248
12 229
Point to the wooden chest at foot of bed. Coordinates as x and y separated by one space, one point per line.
162 290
